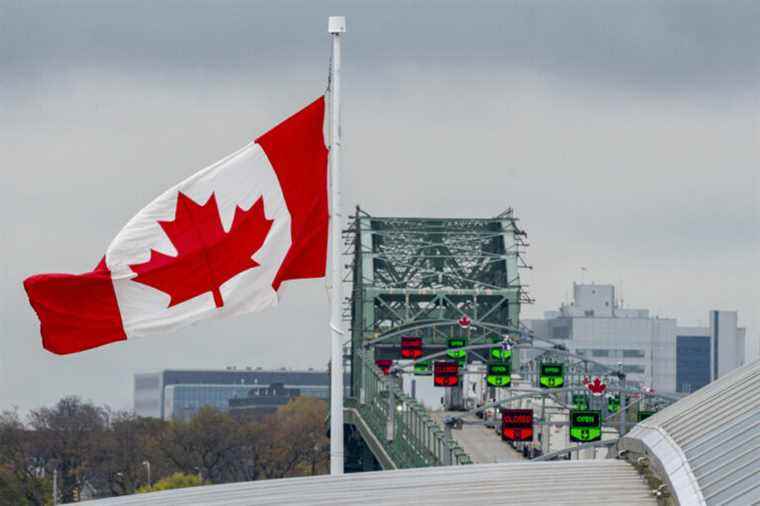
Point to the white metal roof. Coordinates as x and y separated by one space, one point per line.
585 482
707 445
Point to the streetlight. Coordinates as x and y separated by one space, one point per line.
147 467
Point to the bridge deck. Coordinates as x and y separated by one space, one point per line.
481 443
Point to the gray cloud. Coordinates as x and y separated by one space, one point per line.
623 134
663 45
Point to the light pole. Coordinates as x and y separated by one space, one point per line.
55 486
147 467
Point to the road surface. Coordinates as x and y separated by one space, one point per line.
482 444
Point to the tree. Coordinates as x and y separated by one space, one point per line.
294 441
176 480
66 438
125 451
22 477
208 444
90 445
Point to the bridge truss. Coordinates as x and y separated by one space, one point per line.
418 276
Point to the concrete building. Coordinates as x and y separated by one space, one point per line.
180 393
652 350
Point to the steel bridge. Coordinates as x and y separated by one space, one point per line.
421 277
418 276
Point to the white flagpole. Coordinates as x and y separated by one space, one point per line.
336 27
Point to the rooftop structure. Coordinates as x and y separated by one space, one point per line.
651 350
706 445
581 483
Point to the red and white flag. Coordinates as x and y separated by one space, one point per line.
218 244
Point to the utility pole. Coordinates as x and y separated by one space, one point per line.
623 406
544 428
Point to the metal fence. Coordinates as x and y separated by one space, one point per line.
408 433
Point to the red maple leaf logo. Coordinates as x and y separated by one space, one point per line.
597 387
207 256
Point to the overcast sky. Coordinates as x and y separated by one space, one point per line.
625 136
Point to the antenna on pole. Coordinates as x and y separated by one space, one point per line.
336 26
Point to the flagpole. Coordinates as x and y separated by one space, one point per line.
336 27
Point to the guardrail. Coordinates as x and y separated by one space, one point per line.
407 432
577 448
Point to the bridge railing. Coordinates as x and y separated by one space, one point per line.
408 434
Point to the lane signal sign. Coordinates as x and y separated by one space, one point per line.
499 374
384 364
411 347
455 354
517 424
445 373
423 368
585 426
580 401
501 353
552 375
613 404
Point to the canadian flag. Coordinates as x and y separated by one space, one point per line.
220 243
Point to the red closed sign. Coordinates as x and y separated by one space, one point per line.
445 373
517 424
411 347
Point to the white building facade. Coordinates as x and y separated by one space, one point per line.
652 350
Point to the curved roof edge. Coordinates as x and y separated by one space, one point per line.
704 447
668 461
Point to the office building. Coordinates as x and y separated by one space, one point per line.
651 350
262 401
180 393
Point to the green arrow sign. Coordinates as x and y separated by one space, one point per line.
423 368
585 426
499 374
552 375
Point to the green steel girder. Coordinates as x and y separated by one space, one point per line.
409 272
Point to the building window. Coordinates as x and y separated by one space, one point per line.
635 369
589 313
633 354
600 353
561 332
692 363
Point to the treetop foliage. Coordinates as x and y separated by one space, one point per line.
101 453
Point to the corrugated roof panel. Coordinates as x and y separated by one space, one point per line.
587 482
709 442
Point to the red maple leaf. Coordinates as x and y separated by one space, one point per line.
597 387
207 256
